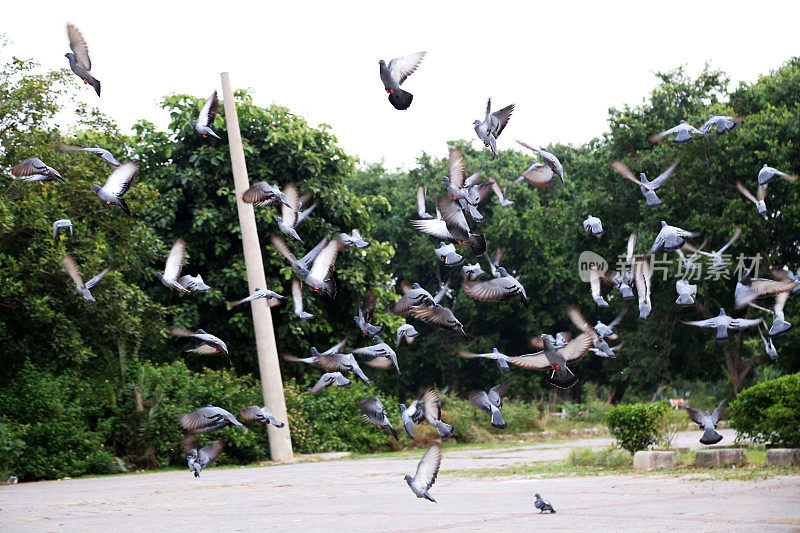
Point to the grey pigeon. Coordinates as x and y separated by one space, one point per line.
117 185
749 289
759 199
456 182
433 413
379 349
453 226
374 413
193 283
366 312
439 316
316 266
395 73
330 379
767 173
642 275
722 323
492 126
102 153
173 266
206 117
289 210
79 61
556 359
445 287
687 263
305 213
258 293
593 226
446 253
408 332
648 188
708 423
769 347
540 174
683 133
504 287
211 344
470 272
621 280
670 238
300 266
600 330
208 418
314 359
412 296
414 414
594 286
80 287
686 293
422 210
202 458
261 415
605 351
354 239
297 299
427 469
262 194
476 194
33 169
779 325
63 223
717 261
339 362
543 505
491 403
501 358
722 124
561 339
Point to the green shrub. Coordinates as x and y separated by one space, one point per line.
636 426
608 458
593 411
769 412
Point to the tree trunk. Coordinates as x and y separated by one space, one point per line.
737 368
619 391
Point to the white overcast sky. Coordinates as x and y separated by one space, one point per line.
562 63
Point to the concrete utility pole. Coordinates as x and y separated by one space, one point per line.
280 441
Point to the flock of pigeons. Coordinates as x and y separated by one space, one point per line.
461 196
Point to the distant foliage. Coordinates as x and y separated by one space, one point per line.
769 412
637 426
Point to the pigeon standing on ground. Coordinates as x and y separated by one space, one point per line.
427 469
540 174
374 413
210 343
759 199
262 194
408 332
722 323
683 133
366 312
330 379
208 418
117 185
395 73
202 458
503 287
686 293
543 505
670 238
501 358
433 413
258 293
77 282
767 173
492 126
593 226
708 423
34 169
79 61
206 117
491 403
648 188
723 124
102 153
63 223
262 415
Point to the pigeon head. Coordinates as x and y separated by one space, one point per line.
682 122
382 63
70 56
416 286
537 495
200 332
502 272
642 176
279 220
476 123
722 312
402 408
663 224
96 188
194 123
159 276
408 478
314 352
192 454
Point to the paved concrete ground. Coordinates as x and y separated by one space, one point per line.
370 495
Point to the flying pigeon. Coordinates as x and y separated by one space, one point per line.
379 349
102 153
439 316
749 289
210 343
408 331
289 210
433 413
561 339
722 323
79 61
414 414
779 325
593 226
594 286
476 194
621 280
193 283
543 505
688 264
172 269
717 262
453 226
648 188
447 254
117 185
206 117
769 347
470 272
354 239
600 330
540 174
427 469
366 311
686 293
492 126
684 132
422 210
759 199
395 73
413 296
320 260
722 124
670 238
297 299
262 415
606 351
63 223
456 182
80 287
34 169
202 458
374 413
330 379
501 358
766 174
437 298
642 274
708 423
258 293
262 194
503 287
314 359
339 362
556 359
491 403
208 418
